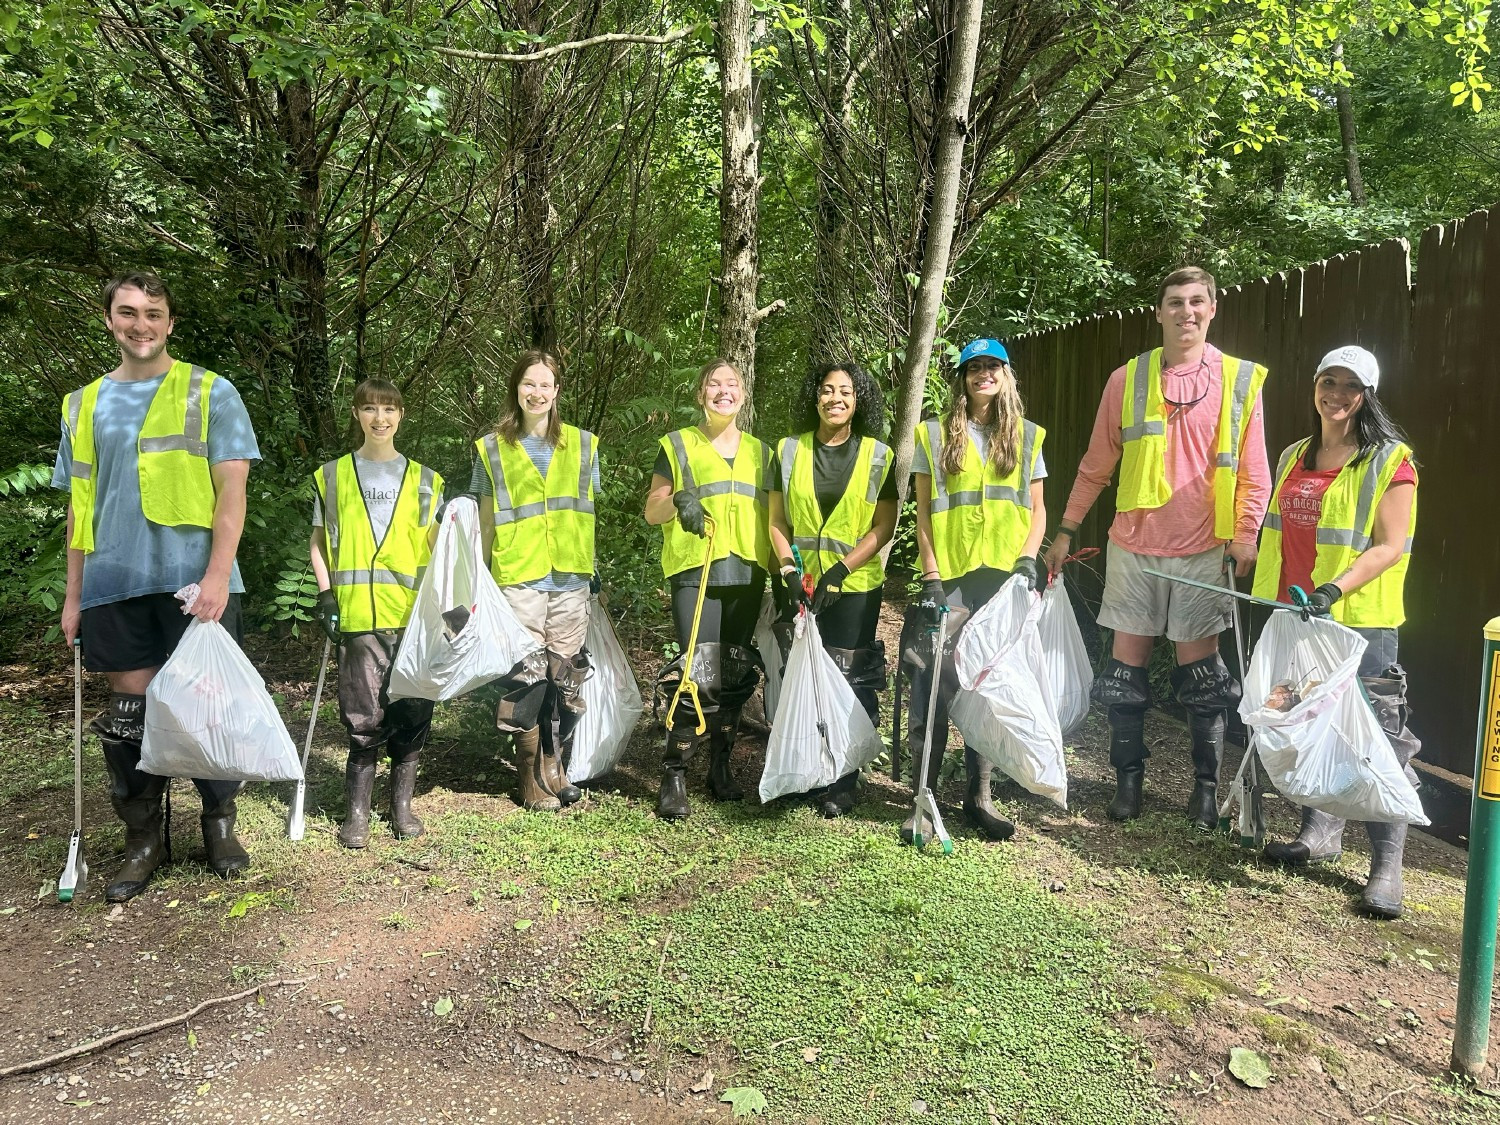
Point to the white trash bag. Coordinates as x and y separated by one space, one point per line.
770 653
208 715
462 632
799 755
1070 674
611 701
1316 734
1004 707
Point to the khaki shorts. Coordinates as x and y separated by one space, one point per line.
558 621
1140 603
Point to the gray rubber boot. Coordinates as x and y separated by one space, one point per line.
1320 840
1384 890
979 807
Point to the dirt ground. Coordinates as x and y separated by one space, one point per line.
1354 1016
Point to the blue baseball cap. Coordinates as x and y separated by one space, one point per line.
983 347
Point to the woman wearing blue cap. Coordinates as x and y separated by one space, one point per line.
980 519
834 499
1340 525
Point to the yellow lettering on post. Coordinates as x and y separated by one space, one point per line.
1489 768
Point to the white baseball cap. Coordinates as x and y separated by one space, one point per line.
1353 358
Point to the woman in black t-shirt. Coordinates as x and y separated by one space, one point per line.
834 499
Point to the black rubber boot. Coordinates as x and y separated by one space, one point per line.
837 799
1384 890
722 728
359 788
1206 691
1320 840
403 785
136 798
226 855
672 801
979 808
1126 692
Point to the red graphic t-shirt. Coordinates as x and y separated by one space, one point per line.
1300 503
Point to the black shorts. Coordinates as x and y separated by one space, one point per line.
141 632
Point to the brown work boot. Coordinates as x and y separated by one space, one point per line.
534 793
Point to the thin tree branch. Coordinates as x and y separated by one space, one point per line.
577 44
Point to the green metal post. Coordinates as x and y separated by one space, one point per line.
1471 1034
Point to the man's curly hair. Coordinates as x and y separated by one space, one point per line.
869 402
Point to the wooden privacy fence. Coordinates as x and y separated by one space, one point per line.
1440 376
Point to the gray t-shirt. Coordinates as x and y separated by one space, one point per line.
380 481
981 436
132 556
540 451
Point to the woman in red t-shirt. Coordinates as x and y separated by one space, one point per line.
1357 579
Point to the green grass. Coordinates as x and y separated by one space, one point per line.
908 975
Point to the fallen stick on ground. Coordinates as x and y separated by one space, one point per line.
136 1032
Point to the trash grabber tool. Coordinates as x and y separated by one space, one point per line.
1247 779
687 685
1298 602
75 874
295 828
926 804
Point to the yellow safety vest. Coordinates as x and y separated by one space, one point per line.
1346 528
376 583
177 488
978 518
825 538
541 526
736 497
1143 432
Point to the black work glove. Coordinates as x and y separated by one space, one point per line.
1321 600
594 584
933 601
796 595
1026 568
328 614
830 587
689 512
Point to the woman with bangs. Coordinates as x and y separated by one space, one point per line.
536 478
714 474
980 519
374 522
833 499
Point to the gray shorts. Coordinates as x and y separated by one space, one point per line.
1140 603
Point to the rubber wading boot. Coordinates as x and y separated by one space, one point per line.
555 746
1384 891
359 787
1207 733
979 809
721 783
1126 804
672 801
1320 840
1125 690
534 794
934 771
835 800
403 785
144 847
226 856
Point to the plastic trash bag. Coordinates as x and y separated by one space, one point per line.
1004 707
1070 674
1316 735
820 732
462 632
612 701
208 715
770 653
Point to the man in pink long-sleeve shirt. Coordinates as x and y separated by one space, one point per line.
1184 423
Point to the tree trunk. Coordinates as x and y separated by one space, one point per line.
739 198
534 250
938 243
1345 99
831 280
306 265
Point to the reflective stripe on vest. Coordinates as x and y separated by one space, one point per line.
1143 436
824 539
541 526
737 497
1346 528
176 486
977 520
376 584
